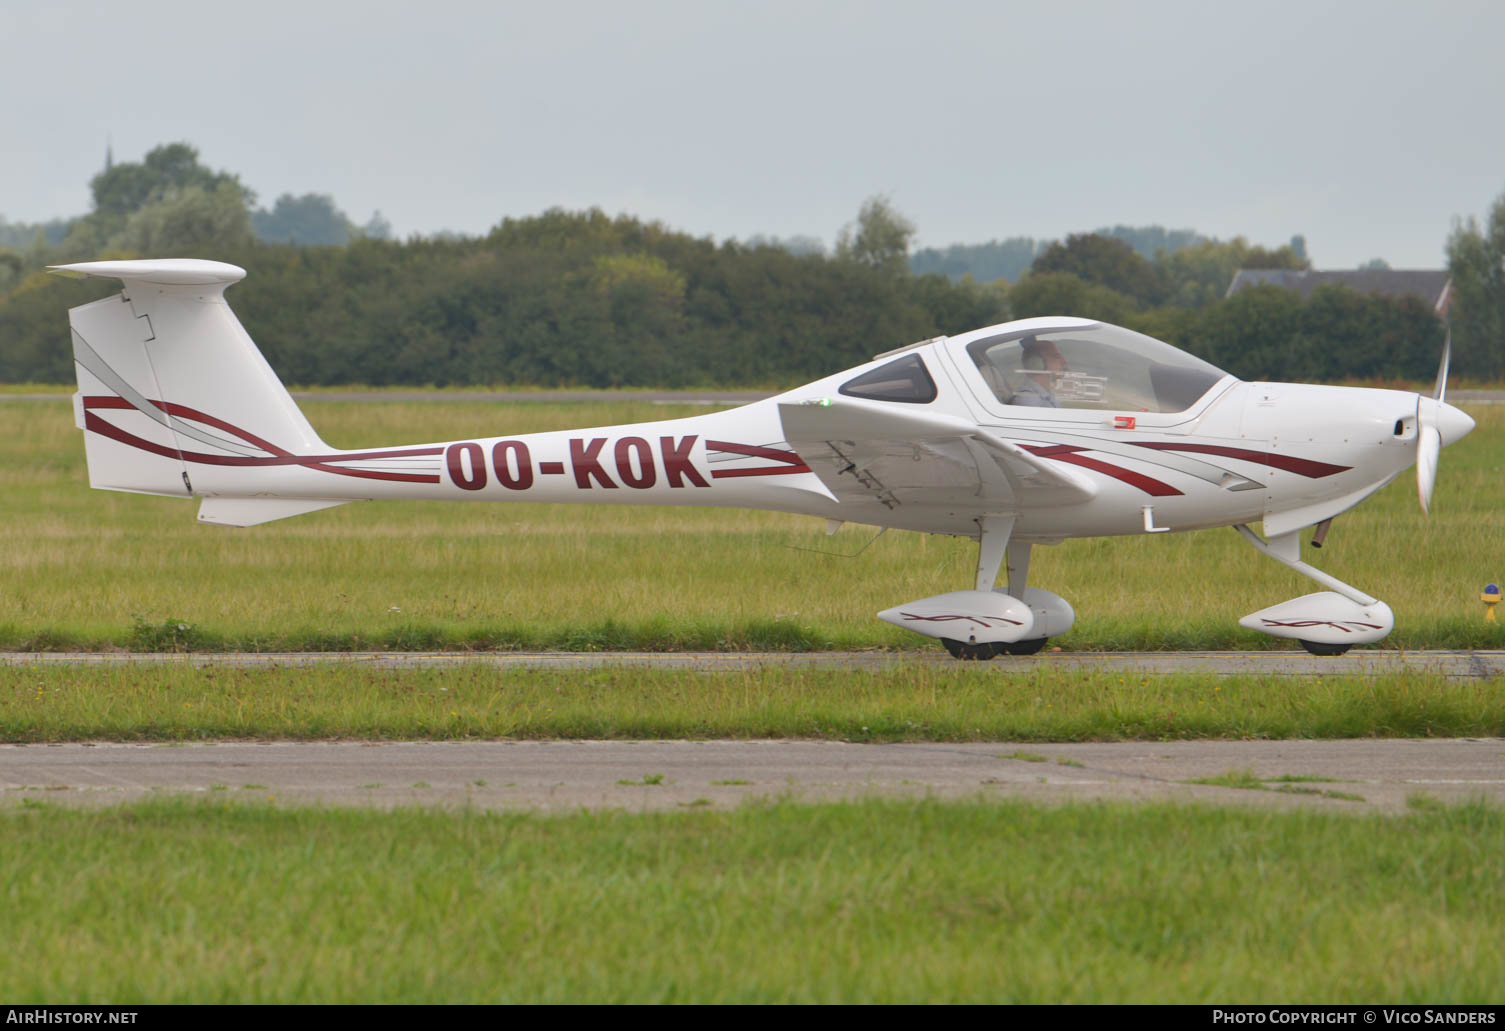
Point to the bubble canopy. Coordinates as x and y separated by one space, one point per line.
1094 366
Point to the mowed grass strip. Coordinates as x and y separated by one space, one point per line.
177 701
875 901
85 569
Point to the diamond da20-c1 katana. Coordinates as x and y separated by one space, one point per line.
1019 434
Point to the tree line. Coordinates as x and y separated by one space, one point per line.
562 298
1267 332
583 298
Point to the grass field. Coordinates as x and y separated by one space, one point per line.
951 702
94 569
888 902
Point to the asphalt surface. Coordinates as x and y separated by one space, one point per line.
1456 664
1356 776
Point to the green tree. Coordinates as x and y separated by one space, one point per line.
644 303
1199 275
1253 335
1063 293
377 227
985 262
1280 257
11 268
188 222
1271 333
130 186
1476 259
639 275
880 237
1348 335
1152 241
1105 262
798 244
18 235
960 307
311 220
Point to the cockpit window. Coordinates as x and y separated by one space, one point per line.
904 379
1101 367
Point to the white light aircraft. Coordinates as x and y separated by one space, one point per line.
1015 435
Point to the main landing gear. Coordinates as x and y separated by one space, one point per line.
988 621
963 650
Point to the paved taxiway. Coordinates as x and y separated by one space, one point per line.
573 774
1362 775
1456 664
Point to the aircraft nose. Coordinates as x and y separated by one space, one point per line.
1452 424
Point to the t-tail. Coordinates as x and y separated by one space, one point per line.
174 397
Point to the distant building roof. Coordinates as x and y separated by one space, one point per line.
1434 286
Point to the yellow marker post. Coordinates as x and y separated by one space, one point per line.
1490 598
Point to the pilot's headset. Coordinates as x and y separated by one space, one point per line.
1032 356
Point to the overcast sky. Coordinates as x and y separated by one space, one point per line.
1365 126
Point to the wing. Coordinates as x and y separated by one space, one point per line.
880 453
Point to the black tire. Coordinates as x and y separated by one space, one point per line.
1317 648
1029 647
969 652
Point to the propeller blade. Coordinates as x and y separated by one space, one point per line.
1428 444
1440 391
1428 437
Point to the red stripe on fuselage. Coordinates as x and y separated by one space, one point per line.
1290 463
278 456
792 463
1067 453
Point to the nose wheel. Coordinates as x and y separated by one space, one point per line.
968 652
1318 648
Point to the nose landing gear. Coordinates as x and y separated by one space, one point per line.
1325 623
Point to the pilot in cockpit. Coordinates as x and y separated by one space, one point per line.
1042 362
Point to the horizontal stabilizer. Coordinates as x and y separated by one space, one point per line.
156 271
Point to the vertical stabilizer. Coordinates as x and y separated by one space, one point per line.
167 372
